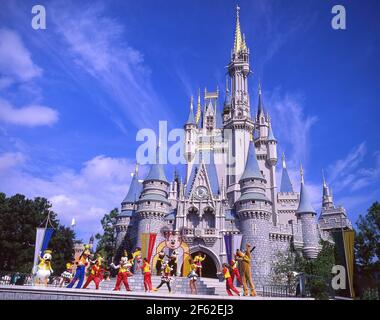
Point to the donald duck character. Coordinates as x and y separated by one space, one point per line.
44 269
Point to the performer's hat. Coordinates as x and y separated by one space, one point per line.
48 251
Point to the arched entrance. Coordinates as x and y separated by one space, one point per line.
211 265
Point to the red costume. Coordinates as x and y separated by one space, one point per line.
229 283
96 274
123 274
147 276
235 272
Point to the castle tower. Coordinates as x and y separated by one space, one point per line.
128 207
153 205
254 210
287 198
332 217
238 124
306 214
271 164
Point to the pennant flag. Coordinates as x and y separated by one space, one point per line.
348 240
47 237
147 244
236 242
228 243
38 245
152 241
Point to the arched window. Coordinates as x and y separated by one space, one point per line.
192 218
208 218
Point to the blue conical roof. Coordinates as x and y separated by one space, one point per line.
252 170
286 184
134 191
156 171
305 203
190 118
270 134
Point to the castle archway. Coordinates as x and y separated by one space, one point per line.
211 265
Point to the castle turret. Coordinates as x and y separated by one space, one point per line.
307 215
153 205
128 208
255 210
262 123
327 199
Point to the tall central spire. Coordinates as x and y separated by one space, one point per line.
238 45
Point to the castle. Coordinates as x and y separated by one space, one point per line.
230 185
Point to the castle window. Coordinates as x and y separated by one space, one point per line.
162 203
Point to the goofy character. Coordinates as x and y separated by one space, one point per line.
96 273
81 268
124 272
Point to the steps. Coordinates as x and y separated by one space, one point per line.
178 285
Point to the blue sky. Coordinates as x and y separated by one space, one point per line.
73 96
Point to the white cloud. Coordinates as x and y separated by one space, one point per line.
291 125
11 159
99 186
16 64
97 45
32 115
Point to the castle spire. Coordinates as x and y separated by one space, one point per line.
260 107
305 202
238 43
190 119
286 184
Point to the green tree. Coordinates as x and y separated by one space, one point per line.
318 270
19 218
367 249
106 246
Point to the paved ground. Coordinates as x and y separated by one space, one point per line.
51 293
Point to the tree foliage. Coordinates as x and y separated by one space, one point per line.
318 270
19 218
367 250
106 246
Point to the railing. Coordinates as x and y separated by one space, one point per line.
278 291
10 278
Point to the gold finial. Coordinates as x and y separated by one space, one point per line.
238 37
198 114
302 175
251 136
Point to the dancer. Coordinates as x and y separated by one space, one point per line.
198 259
81 268
124 272
193 277
147 275
160 262
66 275
165 278
137 259
44 270
226 270
245 259
96 273
173 263
235 272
